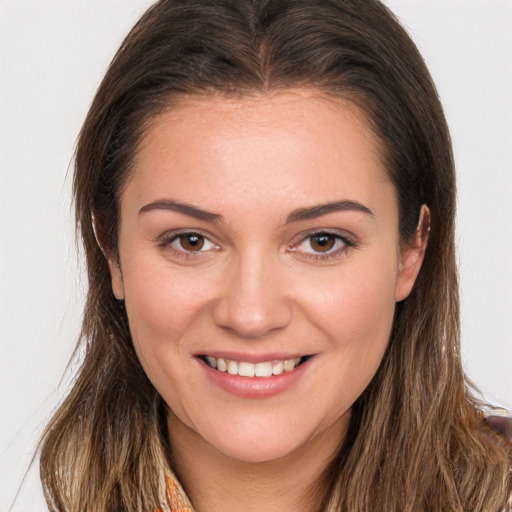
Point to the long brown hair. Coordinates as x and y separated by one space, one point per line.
417 441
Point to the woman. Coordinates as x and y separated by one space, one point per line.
266 197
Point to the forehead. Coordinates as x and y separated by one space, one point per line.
298 144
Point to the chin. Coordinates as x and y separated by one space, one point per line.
256 454
256 441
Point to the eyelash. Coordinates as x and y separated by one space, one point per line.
167 242
332 254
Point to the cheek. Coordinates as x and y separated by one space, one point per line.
160 302
361 311
160 306
371 304
151 306
355 306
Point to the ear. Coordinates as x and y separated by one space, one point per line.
411 256
116 276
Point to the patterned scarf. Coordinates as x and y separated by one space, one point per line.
177 500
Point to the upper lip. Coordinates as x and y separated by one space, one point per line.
252 357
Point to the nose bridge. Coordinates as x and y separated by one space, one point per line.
253 302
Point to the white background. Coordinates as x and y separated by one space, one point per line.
53 54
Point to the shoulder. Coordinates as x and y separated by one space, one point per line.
502 424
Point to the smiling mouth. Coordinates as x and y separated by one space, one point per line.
247 369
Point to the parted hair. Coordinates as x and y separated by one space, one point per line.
417 440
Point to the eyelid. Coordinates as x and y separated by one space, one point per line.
348 241
166 240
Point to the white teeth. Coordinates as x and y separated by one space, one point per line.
278 368
232 367
263 369
289 365
212 361
246 369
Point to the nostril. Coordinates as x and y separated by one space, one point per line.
252 319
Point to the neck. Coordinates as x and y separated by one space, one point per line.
215 482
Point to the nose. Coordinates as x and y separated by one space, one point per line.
254 300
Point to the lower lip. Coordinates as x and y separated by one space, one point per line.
254 387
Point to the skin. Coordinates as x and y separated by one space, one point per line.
260 285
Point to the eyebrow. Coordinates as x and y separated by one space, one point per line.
186 208
299 214
323 209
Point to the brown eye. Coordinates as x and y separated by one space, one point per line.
322 242
323 245
188 244
191 242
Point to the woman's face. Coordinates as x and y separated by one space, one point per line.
260 264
